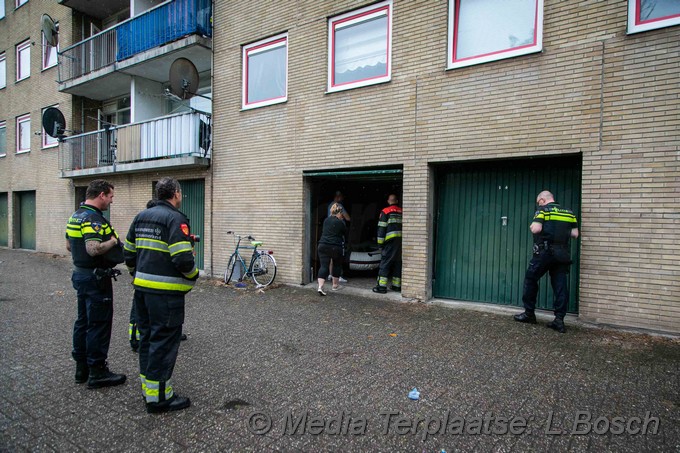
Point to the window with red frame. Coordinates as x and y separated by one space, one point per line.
265 72
47 140
24 60
3 138
646 15
23 133
3 70
49 54
487 30
360 47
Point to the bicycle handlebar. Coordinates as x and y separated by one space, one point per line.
249 237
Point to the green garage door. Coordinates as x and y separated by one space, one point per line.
4 220
26 219
483 242
193 206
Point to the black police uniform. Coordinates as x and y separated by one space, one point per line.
551 254
92 282
158 252
389 238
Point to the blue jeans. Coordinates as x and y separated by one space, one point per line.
92 329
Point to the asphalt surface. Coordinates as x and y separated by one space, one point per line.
344 362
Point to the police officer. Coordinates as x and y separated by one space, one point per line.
159 255
389 238
552 228
95 250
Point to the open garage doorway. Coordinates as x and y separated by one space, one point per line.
365 192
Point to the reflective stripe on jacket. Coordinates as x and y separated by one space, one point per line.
158 251
389 224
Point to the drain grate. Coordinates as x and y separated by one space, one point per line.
235 404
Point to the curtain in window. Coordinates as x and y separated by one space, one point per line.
361 50
25 135
488 26
3 140
656 9
25 62
267 75
3 73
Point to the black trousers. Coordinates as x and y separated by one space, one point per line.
326 254
390 263
133 331
92 329
541 263
159 320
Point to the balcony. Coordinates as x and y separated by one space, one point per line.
145 45
170 142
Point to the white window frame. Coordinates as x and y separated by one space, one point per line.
2 9
47 141
26 45
18 3
537 45
3 125
352 18
45 49
637 26
20 120
253 49
3 61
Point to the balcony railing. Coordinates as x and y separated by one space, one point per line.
182 135
158 26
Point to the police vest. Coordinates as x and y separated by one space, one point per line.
389 224
557 224
89 224
158 251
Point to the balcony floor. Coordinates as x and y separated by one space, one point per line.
174 163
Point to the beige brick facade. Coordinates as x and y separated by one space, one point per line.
37 170
594 90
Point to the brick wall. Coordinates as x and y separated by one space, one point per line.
37 170
593 90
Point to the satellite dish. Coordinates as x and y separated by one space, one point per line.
183 78
54 123
50 31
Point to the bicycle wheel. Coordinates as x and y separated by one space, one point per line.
264 270
230 268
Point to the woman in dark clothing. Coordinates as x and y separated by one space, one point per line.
330 247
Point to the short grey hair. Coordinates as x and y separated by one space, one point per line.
166 188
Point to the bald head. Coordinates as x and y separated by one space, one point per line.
392 199
544 198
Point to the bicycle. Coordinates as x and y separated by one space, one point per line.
262 268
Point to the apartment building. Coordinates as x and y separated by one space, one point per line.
466 110
131 129
31 189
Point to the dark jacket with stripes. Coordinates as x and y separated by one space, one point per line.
89 224
389 224
158 251
557 224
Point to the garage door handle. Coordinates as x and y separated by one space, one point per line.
504 221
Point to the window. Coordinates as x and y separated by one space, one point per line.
3 70
49 53
360 47
265 72
646 15
24 60
24 133
2 9
3 139
18 3
488 30
47 141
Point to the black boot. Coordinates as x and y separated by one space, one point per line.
100 376
183 337
396 288
526 317
380 289
558 325
176 403
82 372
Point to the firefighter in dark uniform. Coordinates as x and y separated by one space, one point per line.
389 239
133 331
552 227
95 249
159 255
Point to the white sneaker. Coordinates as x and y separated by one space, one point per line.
321 292
342 280
330 277
337 288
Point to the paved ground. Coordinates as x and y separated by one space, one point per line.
343 360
